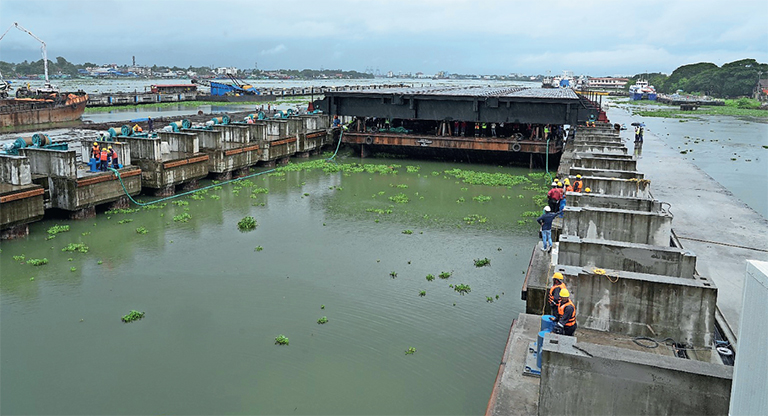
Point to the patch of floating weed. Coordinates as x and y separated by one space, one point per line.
400 198
258 248
422 293
247 224
489 299
142 230
482 262
402 186
125 221
37 262
180 203
530 214
258 190
445 275
19 258
132 316
322 320
410 351
462 289
412 169
79 247
460 200
281 340
475 218
430 277
183 217
481 198
393 274
72 269
56 229
486 178
407 232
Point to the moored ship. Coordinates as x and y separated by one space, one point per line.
45 108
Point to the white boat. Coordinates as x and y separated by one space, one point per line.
642 90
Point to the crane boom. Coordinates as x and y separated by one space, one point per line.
43 47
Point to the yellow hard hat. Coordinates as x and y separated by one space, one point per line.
564 293
567 181
557 275
578 176
587 190
95 144
109 148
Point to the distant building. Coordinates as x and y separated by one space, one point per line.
607 82
761 90
226 70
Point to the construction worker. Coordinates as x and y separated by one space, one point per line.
587 190
566 315
545 221
493 129
103 157
577 184
113 155
554 195
561 205
336 121
95 151
484 129
137 128
150 124
553 294
567 185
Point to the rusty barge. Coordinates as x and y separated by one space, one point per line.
44 109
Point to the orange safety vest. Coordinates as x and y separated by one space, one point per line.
561 312
103 155
569 188
95 152
551 296
114 155
576 186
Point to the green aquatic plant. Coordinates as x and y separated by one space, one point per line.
258 190
407 232
430 277
471 219
400 198
79 247
183 217
412 169
482 262
489 299
56 229
422 293
258 248
462 289
19 258
322 306
402 186
37 262
70 259
521 222
393 274
99 262
122 211
247 224
410 351
180 203
445 275
322 320
141 230
125 221
85 233
132 316
72 269
217 197
481 198
531 214
487 178
281 340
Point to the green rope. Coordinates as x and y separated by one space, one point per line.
142 204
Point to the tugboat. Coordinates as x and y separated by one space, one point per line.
38 106
642 90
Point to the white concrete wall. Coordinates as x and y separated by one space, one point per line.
15 170
749 393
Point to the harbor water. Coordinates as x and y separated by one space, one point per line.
354 246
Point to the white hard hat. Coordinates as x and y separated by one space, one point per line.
554 184
547 209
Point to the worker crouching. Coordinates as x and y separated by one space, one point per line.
103 159
566 315
113 155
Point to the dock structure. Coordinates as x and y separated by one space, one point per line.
495 122
643 307
175 159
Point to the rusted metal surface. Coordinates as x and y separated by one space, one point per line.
451 142
20 112
104 178
241 150
283 141
175 163
21 195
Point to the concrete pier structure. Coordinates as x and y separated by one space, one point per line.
162 171
21 201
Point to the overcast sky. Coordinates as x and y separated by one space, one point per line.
597 38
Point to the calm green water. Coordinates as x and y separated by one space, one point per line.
214 304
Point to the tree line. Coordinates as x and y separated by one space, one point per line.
734 79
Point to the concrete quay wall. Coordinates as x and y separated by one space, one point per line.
617 381
597 162
580 199
618 225
15 170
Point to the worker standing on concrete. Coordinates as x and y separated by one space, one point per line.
463 128
336 121
150 124
485 129
577 184
103 158
455 128
545 220
95 151
553 295
113 155
493 129
554 195
566 315
137 128
477 129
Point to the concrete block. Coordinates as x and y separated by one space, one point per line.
277 129
576 199
631 257
207 139
618 225
15 170
639 304
636 188
601 149
586 379
603 163
19 205
144 148
181 142
233 133
606 173
58 163
72 194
